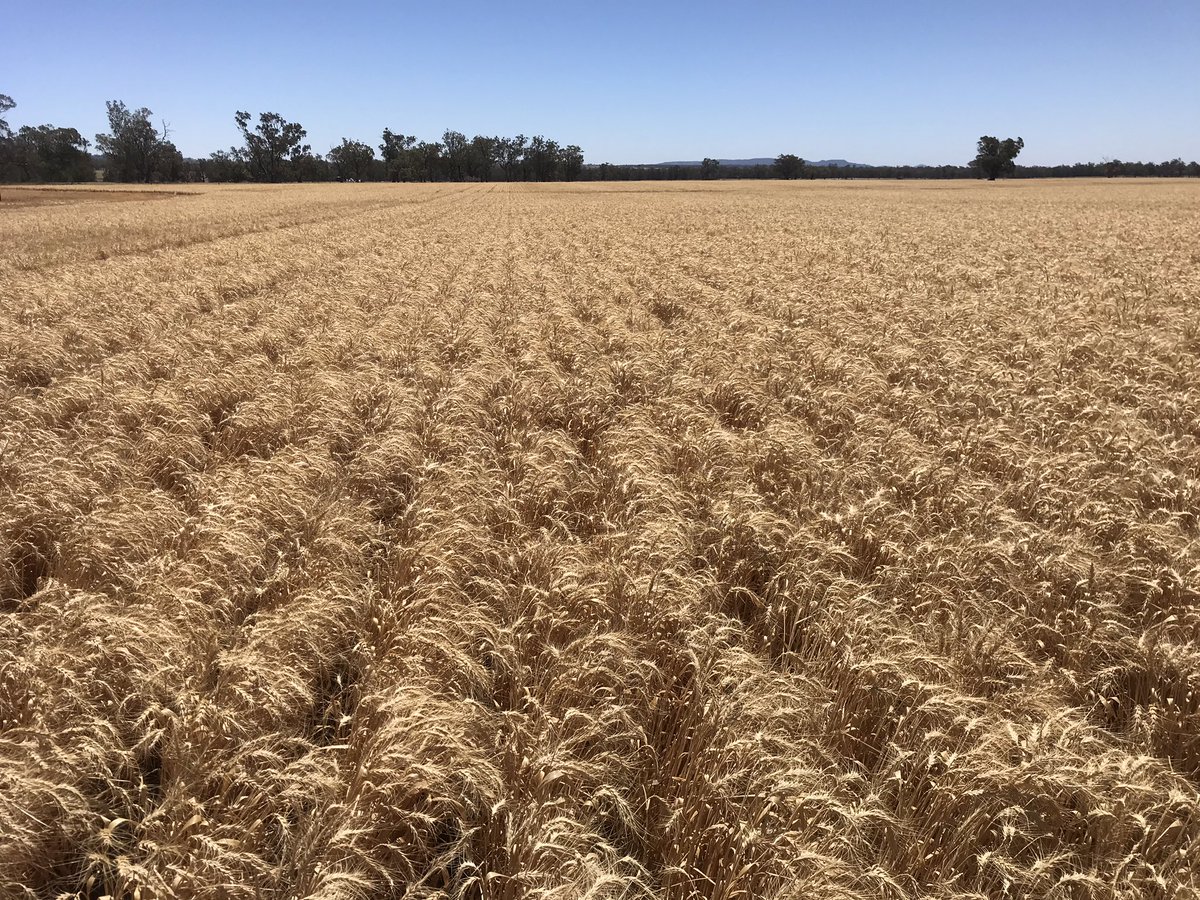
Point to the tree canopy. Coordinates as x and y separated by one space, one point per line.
352 160
274 148
789 165
6 103
398 159
995 157
42 152
134 149
48 153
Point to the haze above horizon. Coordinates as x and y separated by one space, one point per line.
915 83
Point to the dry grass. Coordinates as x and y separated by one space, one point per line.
721 541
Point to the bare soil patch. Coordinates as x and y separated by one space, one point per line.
44 196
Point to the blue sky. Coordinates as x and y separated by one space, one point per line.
901 82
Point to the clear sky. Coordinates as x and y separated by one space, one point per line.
887 82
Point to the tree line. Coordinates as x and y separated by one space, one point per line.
274 149
1175 168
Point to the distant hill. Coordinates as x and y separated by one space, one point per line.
763 161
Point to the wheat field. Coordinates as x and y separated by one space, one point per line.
701 540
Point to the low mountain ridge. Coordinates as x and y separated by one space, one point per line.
761 161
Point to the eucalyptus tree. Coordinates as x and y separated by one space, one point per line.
995 157
272 147
134 149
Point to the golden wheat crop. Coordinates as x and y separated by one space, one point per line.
685 541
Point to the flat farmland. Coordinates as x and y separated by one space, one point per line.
682 540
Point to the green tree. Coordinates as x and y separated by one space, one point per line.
134 149
352 160
225 167
710 168
455 153
572 162
47 153
273 147
511 153
995 157
304 165
542 158
789 165
430 160
169 165
6 103
398 156
482 156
